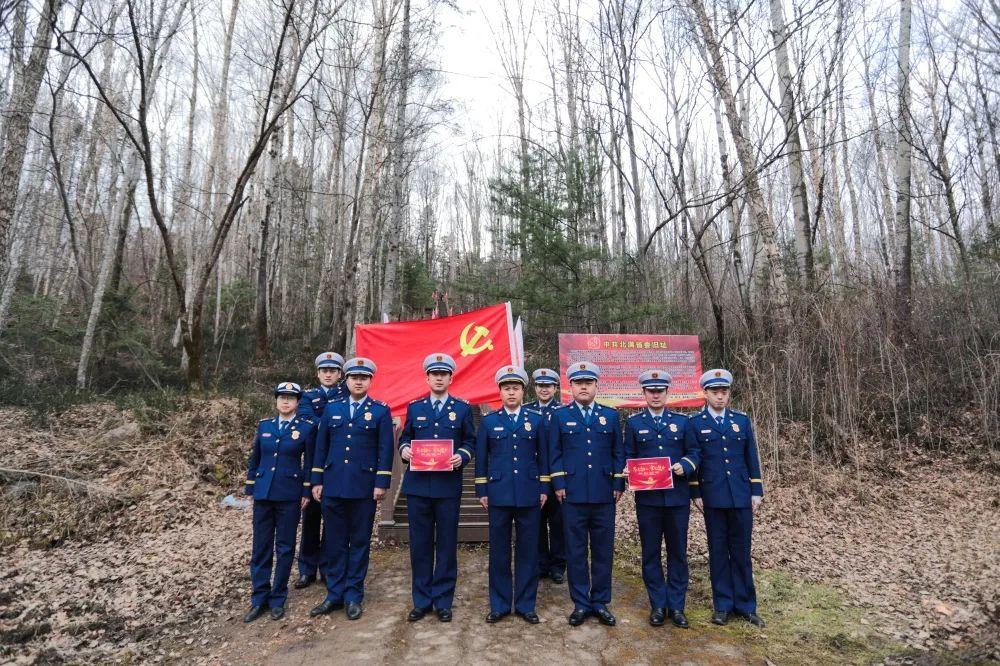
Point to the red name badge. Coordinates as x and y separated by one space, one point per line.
649 474
431 455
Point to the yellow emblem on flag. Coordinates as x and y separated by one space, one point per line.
471 346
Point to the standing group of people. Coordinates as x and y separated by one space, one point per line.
549 476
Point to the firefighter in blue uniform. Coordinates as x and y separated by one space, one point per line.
728 489
551 544
663 515
433 499
511 480
278 482
352 470
587 461
329 367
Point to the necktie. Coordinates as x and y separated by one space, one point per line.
586 414
437 408
354 407
512 416
282 427
656 420
718 419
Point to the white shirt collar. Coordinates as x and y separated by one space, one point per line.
584 408
351 400
516 412
715 414
661 412
545 404
443 399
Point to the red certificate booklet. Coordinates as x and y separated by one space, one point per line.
649 474
431 455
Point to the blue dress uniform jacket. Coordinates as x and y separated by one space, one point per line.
276 477
512 458
645 438
275 470
512 471
730 465
454 423
353 455
728 478
551 544
587 459
314 401
433 501
663 515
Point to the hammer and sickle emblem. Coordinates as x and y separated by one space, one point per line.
472 346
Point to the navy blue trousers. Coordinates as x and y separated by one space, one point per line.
274 528
589 527
433 549
311 557
551 542
729 564
659 524
519 590
347 547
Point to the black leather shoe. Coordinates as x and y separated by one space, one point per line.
353 610
416 614
325 608
679 619
530 617
720 617
494 617
656 617
277 612
753 619
605 617
304 581
254 613
444 614
577 617
556 577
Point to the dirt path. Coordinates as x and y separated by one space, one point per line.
383 635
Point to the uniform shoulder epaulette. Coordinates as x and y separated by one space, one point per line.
265 419
532 410
680 414
307 420
635 416
413 402
379 402
461 400
557 408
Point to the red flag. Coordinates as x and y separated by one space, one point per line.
480 342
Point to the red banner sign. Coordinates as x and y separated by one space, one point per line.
431 455
480 342
649 474
622 357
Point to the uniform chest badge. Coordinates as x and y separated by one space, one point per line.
368 416
295 434
602 421
527 427
736 427
452 416
673 427
266 434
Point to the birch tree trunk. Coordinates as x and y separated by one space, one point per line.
903 267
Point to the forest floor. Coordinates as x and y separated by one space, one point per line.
137 562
